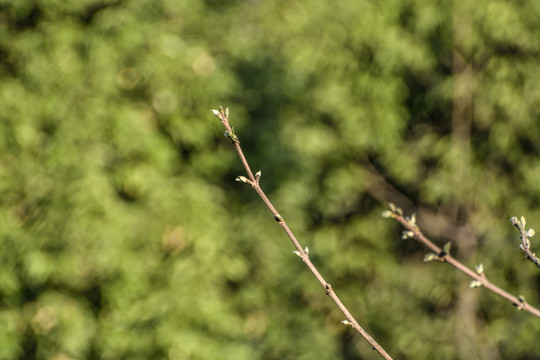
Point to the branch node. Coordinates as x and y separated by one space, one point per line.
522 302
232 136
328 288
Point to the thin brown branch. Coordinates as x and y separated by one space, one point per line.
303 253
478 276
524 236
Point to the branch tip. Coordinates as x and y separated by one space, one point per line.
525 245
522 302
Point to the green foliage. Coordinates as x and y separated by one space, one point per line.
124 235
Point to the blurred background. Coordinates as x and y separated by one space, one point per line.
124 235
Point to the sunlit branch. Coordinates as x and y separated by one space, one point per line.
303 253
438 254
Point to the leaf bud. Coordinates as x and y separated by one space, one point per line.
242 179
479 269
446 248
217 114
431 257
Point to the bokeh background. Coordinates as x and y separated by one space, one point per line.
124 236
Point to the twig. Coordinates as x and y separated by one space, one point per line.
525 243
303 253
478 276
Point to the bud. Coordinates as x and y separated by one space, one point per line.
217 114
479 269
431 257
242 179
407 235
446 247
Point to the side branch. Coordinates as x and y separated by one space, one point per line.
524 236
303 253
478 276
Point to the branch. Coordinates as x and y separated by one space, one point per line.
525 243
478 276
303 253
